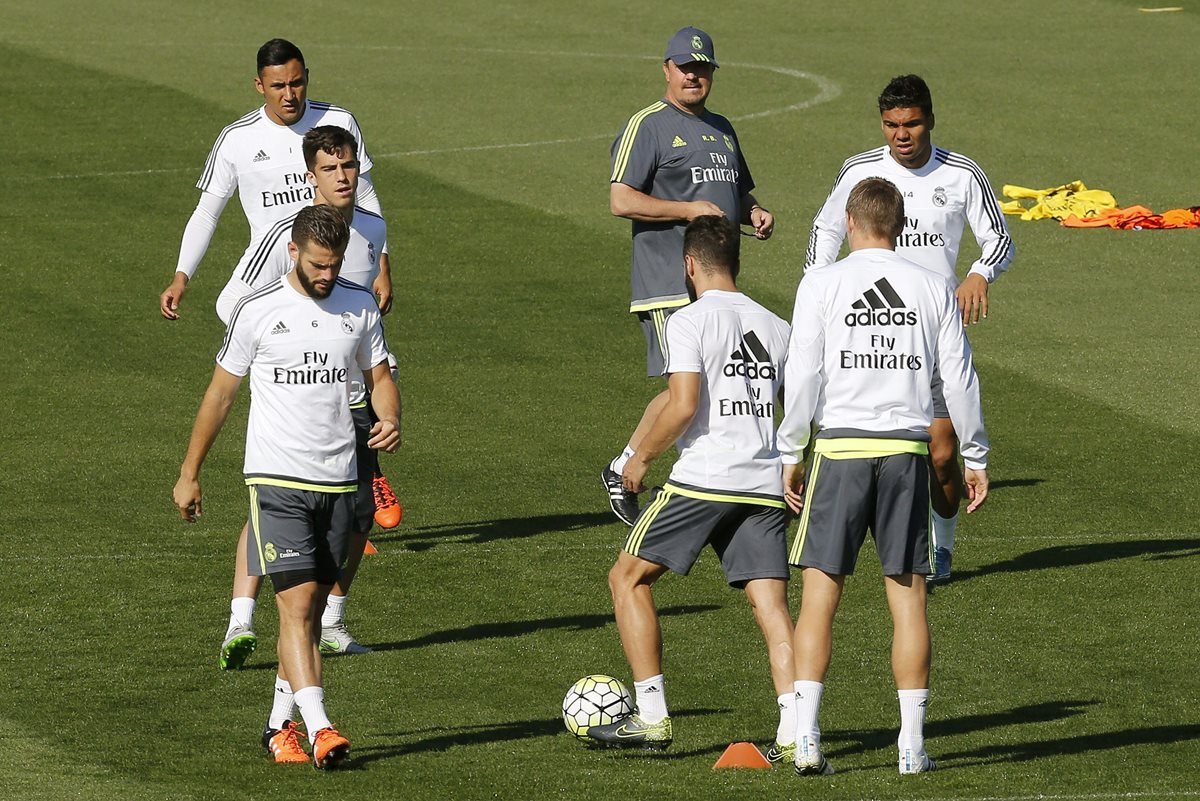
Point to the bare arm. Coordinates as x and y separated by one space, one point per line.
214 408
385 400
757 216
683 399
625 201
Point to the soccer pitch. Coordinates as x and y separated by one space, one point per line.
1065 661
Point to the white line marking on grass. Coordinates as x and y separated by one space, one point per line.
827 90
1059 796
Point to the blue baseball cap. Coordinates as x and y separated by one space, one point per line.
690 44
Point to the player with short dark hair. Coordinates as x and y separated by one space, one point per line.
330 155
724 359
867 337
300 338
943 191
672 162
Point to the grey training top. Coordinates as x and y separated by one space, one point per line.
672 155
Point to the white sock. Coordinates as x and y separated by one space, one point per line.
284 707
651 699
311 701
618 465
786 733
335 610
912 721
808 708
241 612
943 531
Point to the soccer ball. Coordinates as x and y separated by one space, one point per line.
595 701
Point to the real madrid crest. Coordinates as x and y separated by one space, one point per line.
347 323
371 252
697 43
729 142
269 552
939 196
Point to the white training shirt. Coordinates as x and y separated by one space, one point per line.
269 257
264 163
270 260
300 353
728 451
865 339
948 191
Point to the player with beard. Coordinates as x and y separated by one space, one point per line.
301 339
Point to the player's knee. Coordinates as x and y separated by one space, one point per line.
944 455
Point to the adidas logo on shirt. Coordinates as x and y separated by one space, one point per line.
280 328
678 142
261 156
880 308
750 360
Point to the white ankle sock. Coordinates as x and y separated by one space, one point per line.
912 720
311 701
786 733
618 465
651 698
335 610
943 531
284 707
241 612
808 708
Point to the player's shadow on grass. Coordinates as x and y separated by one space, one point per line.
519 628
1085 554
446 738
1014 482
854 741
425 537
1080 744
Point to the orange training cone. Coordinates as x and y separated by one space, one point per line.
370 549
742 755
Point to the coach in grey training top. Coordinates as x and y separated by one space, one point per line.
672 162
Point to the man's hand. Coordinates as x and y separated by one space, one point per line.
972 296
977 488
700 208
763 222
168 301
187 499
634 474
382 287
385 436
793 486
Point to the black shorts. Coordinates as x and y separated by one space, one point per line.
749 538
368 463
887 494
295 529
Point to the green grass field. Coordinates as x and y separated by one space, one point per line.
1065 650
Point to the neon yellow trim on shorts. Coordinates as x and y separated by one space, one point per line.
723 498
626 146
658 304
798 545
362 405
300 485
262 561
638 534
866 448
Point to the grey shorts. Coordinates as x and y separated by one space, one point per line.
654 323
750 539
845 497
294 529
940 411
368 463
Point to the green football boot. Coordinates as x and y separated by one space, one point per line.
633 732
239 643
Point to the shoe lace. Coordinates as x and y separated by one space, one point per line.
292 732
383 492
